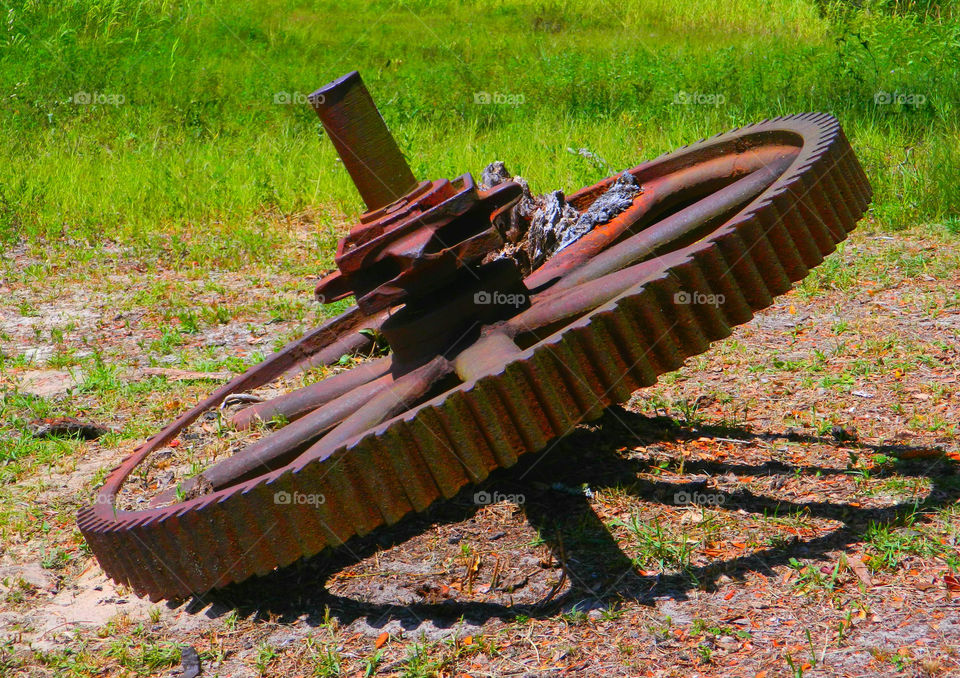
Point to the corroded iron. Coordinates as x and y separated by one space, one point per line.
487 361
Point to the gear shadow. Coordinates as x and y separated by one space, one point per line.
600 574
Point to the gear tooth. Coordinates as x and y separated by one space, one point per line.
90 528
282 535
739 263
663 352
351 501
370 472
571 394
310 533
787 248
437 453
842 200
226 540
820 151
755 231
306 526
736 309
189 548
157 568
860 191
251 526
123 568
795 174
826 235
409 467
472 449
823 206
197 549
129 564
488 410
518 392
685 329
791 238
632 338
86 517
155 553
713 324
607 355
851 175
122 564
549 390
335 516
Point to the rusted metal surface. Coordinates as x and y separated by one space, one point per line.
486 364
420 246
362 140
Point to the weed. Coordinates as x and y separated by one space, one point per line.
656 545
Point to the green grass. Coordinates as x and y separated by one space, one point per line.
657 545
188 154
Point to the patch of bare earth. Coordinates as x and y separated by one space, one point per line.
785 504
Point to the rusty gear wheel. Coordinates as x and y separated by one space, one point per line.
717 230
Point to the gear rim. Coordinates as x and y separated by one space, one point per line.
397 467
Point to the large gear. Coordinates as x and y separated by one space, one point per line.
717 230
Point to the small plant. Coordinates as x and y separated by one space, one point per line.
372 663
655 545
189 323
230 620
705 653
326 659
612 612
796 668
892 544
419 664
55 559
811 579
574 616
266 653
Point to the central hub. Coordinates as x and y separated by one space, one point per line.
420 253
418 245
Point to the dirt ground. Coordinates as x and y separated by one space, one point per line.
785 505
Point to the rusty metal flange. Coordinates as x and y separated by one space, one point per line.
736 218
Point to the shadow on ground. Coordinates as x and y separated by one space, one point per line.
599 573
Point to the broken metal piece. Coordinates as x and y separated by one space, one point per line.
488 360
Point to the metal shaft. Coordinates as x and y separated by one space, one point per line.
365 145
